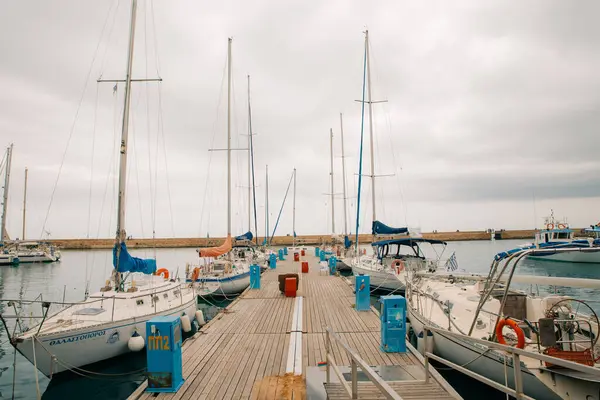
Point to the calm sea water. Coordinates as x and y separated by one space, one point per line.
67 279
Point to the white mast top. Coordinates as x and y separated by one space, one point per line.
229 137
123 159
124 134
249 163
267 204
370 125
24 204
5 192
294 212
344 175
331 174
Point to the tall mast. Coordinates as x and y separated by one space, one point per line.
229 137
5 192
370 125
124 134
331 174
24 205
267 205
249 163
344 175
250 134
294 212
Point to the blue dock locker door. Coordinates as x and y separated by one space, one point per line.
163 351
393 324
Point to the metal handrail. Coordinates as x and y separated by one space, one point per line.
356 361
516 353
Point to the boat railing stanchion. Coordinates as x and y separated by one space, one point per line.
327 349
112 317
425 352
354 379
518 376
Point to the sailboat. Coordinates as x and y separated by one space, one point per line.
251 251
7 255
32 251
383 266
112 321
480 307
225 270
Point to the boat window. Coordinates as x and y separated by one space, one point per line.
165 295
89 311
176 293
139 302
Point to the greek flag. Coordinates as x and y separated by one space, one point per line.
451 263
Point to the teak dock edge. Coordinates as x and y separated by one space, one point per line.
242 353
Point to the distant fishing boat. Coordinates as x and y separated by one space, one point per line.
112 321
557 242
224 270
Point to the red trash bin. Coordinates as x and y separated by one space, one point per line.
290 287
296 256
305 267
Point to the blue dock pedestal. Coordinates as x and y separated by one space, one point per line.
163 351
280 254
254 276
362 288
321 256
393 324
317 251
285 251
272 261
332 265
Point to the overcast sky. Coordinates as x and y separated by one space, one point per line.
492 112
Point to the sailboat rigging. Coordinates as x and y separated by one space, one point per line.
119 310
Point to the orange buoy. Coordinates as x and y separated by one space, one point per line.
398 265
515 327
163 272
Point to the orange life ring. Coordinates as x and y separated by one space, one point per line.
549 226
561 226
398 265
195 274
163 272
515 327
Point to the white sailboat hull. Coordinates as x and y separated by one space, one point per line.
37 258
380 280
491 364
80 347
7 259
583 255
226 286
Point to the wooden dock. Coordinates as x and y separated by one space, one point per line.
251 350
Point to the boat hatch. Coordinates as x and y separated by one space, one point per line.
89 311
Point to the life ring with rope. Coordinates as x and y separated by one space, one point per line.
515 327
163 272
398 266
550 226
195 274
561 226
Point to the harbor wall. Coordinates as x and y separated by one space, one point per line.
85 244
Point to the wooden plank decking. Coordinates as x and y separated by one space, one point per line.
242 353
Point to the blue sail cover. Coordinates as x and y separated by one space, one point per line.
380 228
246 236
128 263
347 242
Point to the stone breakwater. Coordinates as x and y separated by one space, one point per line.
87 244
